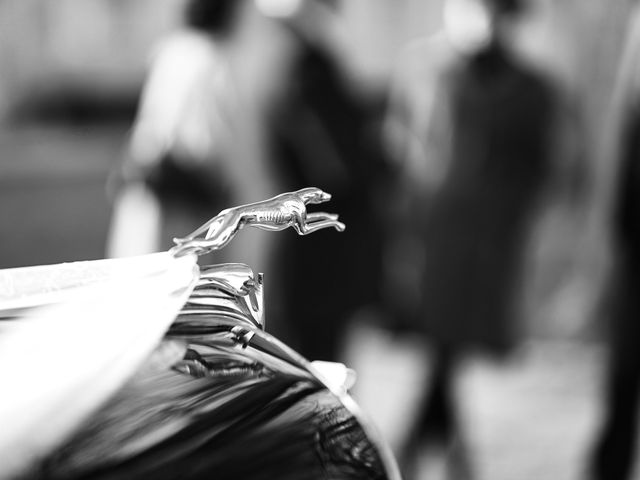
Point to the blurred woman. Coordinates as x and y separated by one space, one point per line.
195 146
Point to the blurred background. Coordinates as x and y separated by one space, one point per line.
71 79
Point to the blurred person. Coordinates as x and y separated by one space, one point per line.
195 144
619 206
321 135
472 128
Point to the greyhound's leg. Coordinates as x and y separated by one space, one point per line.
220 232
221 224
305 228
204 229
269 227
204 245
318 216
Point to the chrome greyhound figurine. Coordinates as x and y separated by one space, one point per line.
277 213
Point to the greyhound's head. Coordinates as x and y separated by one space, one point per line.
313 195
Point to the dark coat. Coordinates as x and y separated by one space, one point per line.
318 135
492 119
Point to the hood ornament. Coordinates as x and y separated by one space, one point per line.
277 213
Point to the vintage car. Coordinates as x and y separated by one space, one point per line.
154 367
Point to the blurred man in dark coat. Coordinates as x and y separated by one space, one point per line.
471 126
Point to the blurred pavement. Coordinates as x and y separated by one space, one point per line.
532 417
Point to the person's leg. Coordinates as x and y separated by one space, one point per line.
615 451
435 422
615 448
